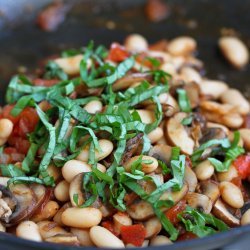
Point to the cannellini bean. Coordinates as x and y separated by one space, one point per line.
204 170
93 107
28 230
168 68
153 227
213 88
190 178
6 128
233 120
49 211
106 149
71 65
231 194
147 116
4 181
149 164
182 46
160 240
228 175
74 167
235 98
49 229
245 135
83 236
234 50
81 217
189 74
136 43
61 191
121 219
245 219
2 228
102 237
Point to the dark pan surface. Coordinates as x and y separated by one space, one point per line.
23 44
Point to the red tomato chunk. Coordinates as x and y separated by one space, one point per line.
242 164
117 53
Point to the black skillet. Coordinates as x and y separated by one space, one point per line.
23 44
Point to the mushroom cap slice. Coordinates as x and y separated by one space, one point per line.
140 210
191 179
161 152
178 135
221 212
209 188
200 202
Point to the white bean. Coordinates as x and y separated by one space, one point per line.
136 43
106 149
160 240
155 135
231 194
2 228
28 230
182 46
147 116
234 50
189 74
6 128
81 217
245 219
153 227
61 191
71 65
235 98
74 167
213 88
4 181
149 164
83 236
228 175
104 238
204 170
245 135
93 107
54 171
168 68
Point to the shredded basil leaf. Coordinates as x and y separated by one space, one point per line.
183 101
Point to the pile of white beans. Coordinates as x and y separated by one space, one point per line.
61 221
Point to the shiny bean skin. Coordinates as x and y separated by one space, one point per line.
81 217
245 219
160 240
106 149
61 191
2 228
231 194
213 88
136 43
93 107
102 237
74 167
48 212
153 227
245 135
204 170
28 230
149 164
6 128
83 236
182 46
228 175
155 135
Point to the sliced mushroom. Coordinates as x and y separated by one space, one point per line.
190 178
49 229
221 212
200 202
209 188
175 196
193 93
140 210
128 80
121 219
76 190
212 133
24 203
69 239
178 135
161 152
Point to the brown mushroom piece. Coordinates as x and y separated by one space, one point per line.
140 210
191 179
220 211
22 201
209 188
64 239
161 152
200 202
193 93
177 134
76 190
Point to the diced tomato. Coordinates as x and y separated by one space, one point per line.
110 226
172 213
134 234
45 82
145 61
242 164
187 236
6 114
117 53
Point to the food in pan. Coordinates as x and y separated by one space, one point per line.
131 146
